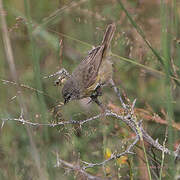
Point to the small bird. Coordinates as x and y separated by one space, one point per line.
94 71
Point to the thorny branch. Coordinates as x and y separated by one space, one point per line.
87 165
76 168
23 121
129 118
113 156
81 170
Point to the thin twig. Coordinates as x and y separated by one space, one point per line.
25 87
23 121
127 119
113 156
75 168
118 94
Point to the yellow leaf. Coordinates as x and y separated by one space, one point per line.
122 160
108 153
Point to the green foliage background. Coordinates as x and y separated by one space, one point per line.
145 73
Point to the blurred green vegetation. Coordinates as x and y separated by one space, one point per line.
137 71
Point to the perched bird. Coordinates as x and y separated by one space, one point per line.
94 71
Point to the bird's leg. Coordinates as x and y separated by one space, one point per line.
94 97
97 92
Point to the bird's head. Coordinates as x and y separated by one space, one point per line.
69 91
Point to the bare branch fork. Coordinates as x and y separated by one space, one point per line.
87 165
113 156
141 134
76 168
127 119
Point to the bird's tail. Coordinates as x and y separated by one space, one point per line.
108 36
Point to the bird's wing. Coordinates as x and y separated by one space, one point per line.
90 76
97 55
89 67
87 70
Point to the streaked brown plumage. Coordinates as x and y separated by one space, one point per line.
93 70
